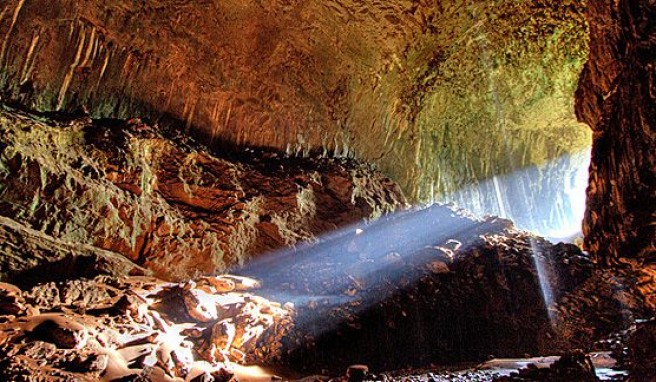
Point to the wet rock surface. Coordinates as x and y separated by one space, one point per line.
163 202
137 328
573 367
617 98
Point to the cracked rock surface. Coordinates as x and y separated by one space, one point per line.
164 203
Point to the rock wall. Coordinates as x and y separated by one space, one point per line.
28 257
617 98
166 203
438 95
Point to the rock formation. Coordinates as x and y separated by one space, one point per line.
431 297
418 88
164 204
135 329
148 146
617 98
447 287
29 257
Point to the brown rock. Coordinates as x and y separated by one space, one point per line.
44 258
397 82
616 98
223 335
201 306
221 285
64 334
11 300
642 352
196 213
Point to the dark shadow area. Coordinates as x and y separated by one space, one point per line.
68 268
424 287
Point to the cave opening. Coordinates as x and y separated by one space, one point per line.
547 199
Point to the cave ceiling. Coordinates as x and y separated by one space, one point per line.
437 94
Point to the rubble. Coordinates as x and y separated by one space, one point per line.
576 367
571 367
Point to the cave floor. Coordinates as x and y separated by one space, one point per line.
448 306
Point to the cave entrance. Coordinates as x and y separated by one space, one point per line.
547 199
493 118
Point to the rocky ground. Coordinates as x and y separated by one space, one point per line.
459 292
136 329
436 286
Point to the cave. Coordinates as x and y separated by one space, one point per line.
335 190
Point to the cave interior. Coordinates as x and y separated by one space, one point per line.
328 190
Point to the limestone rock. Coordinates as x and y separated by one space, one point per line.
163 202
617 99
28 256
11 300
143 340
406 84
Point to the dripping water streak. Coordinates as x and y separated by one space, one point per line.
29 63
92 42
215 120
104 67
227 119
543 278
14 18
190 116
69 76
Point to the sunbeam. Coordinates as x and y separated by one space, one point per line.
548 200
356 257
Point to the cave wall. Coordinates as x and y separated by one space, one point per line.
617 98
439 95
164 202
